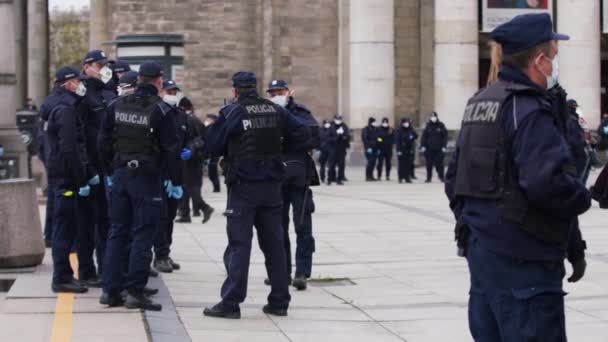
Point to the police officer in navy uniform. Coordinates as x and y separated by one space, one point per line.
386 140
433 145
369 138
338 143
513 188
300 174
93 211
66 171
173 183
405 141
323 149
212 161
139 140
251 133
119 68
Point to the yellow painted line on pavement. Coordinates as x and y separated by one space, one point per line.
62 323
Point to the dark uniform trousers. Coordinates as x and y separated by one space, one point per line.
136 206
434 159
294 197
193 182
406 164
164 230
256 204
385 156
372 157
93 223
337 158
323 156
65 230
213 174
512 300
50 205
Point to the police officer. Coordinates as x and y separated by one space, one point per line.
575 136
127 83
513 188
323 148
433 145
405 140
300 174
369 137
173 183
338 143
386 140
119 68
93 210
250 134
66 171
212 160
139 139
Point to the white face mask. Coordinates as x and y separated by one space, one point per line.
338 122
384 124
554 77
207 123
281 100
170 99
106 74
433 119
327 125
81 90
406 124
125 91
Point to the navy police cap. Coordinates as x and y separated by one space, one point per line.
67 73
170 85
277 85
212 116
151 69
121 66
128 79
525 31
244 79
96 56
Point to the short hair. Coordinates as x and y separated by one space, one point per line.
521 60
244 90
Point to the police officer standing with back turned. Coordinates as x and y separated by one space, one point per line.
300 174
369 138
251 133
66 171
138 138
514 190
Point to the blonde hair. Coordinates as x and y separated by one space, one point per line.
495 62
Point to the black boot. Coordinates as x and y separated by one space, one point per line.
91 282
140 301
219 312
274 311
207 211
175 265
299 282
163 265
150 291
111 300
71 287
184 219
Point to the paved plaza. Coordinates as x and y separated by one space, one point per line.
385 270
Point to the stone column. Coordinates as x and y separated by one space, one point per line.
10 138
38 50
580 57
372 60
456 58
21 27
99 32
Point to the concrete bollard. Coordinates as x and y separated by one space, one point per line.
21 243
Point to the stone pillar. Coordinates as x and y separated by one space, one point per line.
579 58
99 31
38 50
21 28
456 58
10 138
372 61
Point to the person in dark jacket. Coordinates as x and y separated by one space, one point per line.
575 136
369 138
211 160
300 175
323 149
386 140
602 132
405 141
66 171
514 192
433 145
338 143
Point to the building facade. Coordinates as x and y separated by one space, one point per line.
361 58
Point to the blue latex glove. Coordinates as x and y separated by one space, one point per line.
94 181
84 191
399 153
186 154
422 149
605 129
108 181
369 150
1 151
168 187
176 192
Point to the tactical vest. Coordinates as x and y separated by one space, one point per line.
262 136
485 168
134 137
